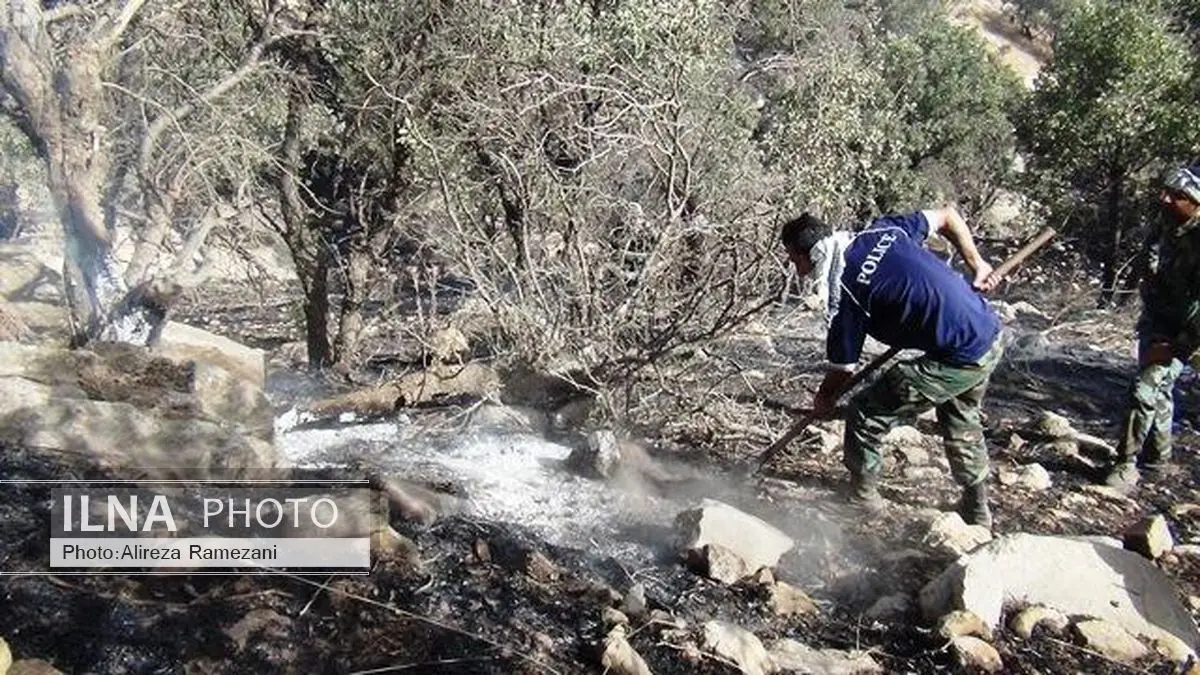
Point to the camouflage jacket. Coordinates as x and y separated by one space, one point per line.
1171 289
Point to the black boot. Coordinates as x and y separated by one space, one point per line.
974 505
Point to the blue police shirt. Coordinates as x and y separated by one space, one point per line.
899 293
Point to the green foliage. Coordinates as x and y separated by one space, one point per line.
1116 103
1040 16
954 134
889 121
1114 108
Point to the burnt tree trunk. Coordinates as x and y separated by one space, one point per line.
309 254
1112 254
58 104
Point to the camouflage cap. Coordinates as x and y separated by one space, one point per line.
1185 181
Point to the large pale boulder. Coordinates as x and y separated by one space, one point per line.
119 406
119 435
125 373
753 540
1075 577
180 342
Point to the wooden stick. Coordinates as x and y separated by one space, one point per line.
1000 272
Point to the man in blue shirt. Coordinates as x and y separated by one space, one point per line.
882 282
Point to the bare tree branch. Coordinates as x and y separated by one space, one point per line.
128 11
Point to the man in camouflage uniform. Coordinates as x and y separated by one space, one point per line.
1168 330
884 283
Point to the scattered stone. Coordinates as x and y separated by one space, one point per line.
1184 510
1110 640
764 577
1110 494
791 656
599 458
1031 617
739 646
889 607
33 667
909 446
719 564
961 622
1055 426
1150 537
904 435
1075 577
827 436
619 657
634 603
540 569
974 654
389 544
1187 550
1030 476
1194 602
919 474
1015 443
481 551
508 418
6 658
411 502
613 617
949 534
757 543
787 600
544 642
665 618
1172 648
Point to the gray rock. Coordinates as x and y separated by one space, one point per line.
951 535
634 603
787 600
1150 537
619 657
613 617
976 655
1072 576
508 418
961 622
1029 618
600 458
181 342
1110 640
889 607
739 646
751 539
718 563
791 656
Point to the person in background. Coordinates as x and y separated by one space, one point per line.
1168 330
883 282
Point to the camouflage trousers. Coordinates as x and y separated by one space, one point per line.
1150 402
909 389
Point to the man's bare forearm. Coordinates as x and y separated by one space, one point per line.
955 230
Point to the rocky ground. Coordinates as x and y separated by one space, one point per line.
465 594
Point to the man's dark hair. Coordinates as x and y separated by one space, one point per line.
802 233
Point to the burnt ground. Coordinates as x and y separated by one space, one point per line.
480 598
